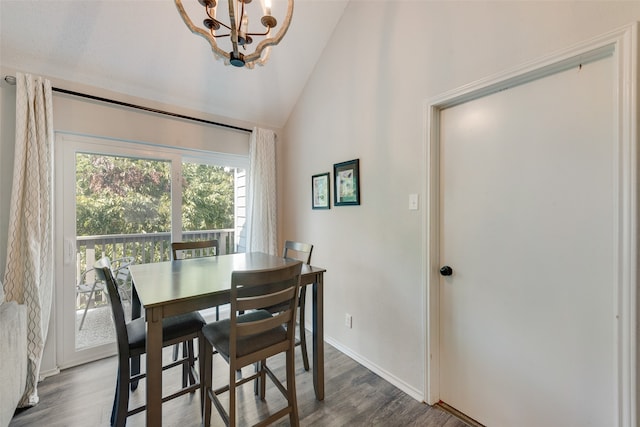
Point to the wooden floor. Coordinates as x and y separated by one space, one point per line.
354 396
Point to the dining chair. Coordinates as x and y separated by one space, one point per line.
131 340
301 252
195 249
192 249
251 338
89 284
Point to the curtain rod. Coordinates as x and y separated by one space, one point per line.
12 81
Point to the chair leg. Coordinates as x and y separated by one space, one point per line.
206 377
84 314
86 307
121 401
135 370
176 351
188 348
256 383
114 407
185 366
232 398
291 389
217 313
301 330
201 369
263 379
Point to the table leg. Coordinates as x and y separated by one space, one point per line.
318 336
154 367
135 314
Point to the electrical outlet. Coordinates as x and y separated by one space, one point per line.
348 321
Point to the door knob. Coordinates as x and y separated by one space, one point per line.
446 271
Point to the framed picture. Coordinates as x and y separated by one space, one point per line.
320 191
346 181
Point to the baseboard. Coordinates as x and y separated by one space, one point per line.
467 420
397 382
48 373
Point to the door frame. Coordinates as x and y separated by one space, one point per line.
622 45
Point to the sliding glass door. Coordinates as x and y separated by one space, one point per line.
128 201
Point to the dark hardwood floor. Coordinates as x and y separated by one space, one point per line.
82 396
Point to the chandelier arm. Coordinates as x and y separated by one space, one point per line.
224 25
200 31
218 22
258 34
255 56
213 18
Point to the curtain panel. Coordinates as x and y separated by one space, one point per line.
29 269
262 233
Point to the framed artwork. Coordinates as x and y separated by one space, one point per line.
346 181
320 193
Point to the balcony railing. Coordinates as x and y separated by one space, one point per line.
143 247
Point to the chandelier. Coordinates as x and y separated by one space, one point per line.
236 29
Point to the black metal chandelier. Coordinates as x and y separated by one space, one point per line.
237 29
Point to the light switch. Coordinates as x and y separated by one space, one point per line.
413 202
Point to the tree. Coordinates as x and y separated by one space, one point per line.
207 197
121 195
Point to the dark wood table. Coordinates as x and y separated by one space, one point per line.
174 287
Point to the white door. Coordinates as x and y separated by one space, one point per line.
528 218
85 329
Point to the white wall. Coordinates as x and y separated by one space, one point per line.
366 100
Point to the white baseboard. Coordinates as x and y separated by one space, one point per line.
48 373
397 382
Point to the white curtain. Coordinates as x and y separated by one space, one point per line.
29 270
262 233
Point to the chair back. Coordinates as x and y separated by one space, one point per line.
103 271
297 250
120 269
251 290
194 249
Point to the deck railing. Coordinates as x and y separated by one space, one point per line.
143 247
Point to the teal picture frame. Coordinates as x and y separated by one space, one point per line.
346 183
320 191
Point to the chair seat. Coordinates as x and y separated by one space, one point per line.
217 333
172 328
90 287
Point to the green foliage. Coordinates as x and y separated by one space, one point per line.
207 197
120 195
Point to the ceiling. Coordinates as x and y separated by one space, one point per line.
143 48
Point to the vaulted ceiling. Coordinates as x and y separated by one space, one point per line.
143 48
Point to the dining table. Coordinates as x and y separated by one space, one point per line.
170 288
